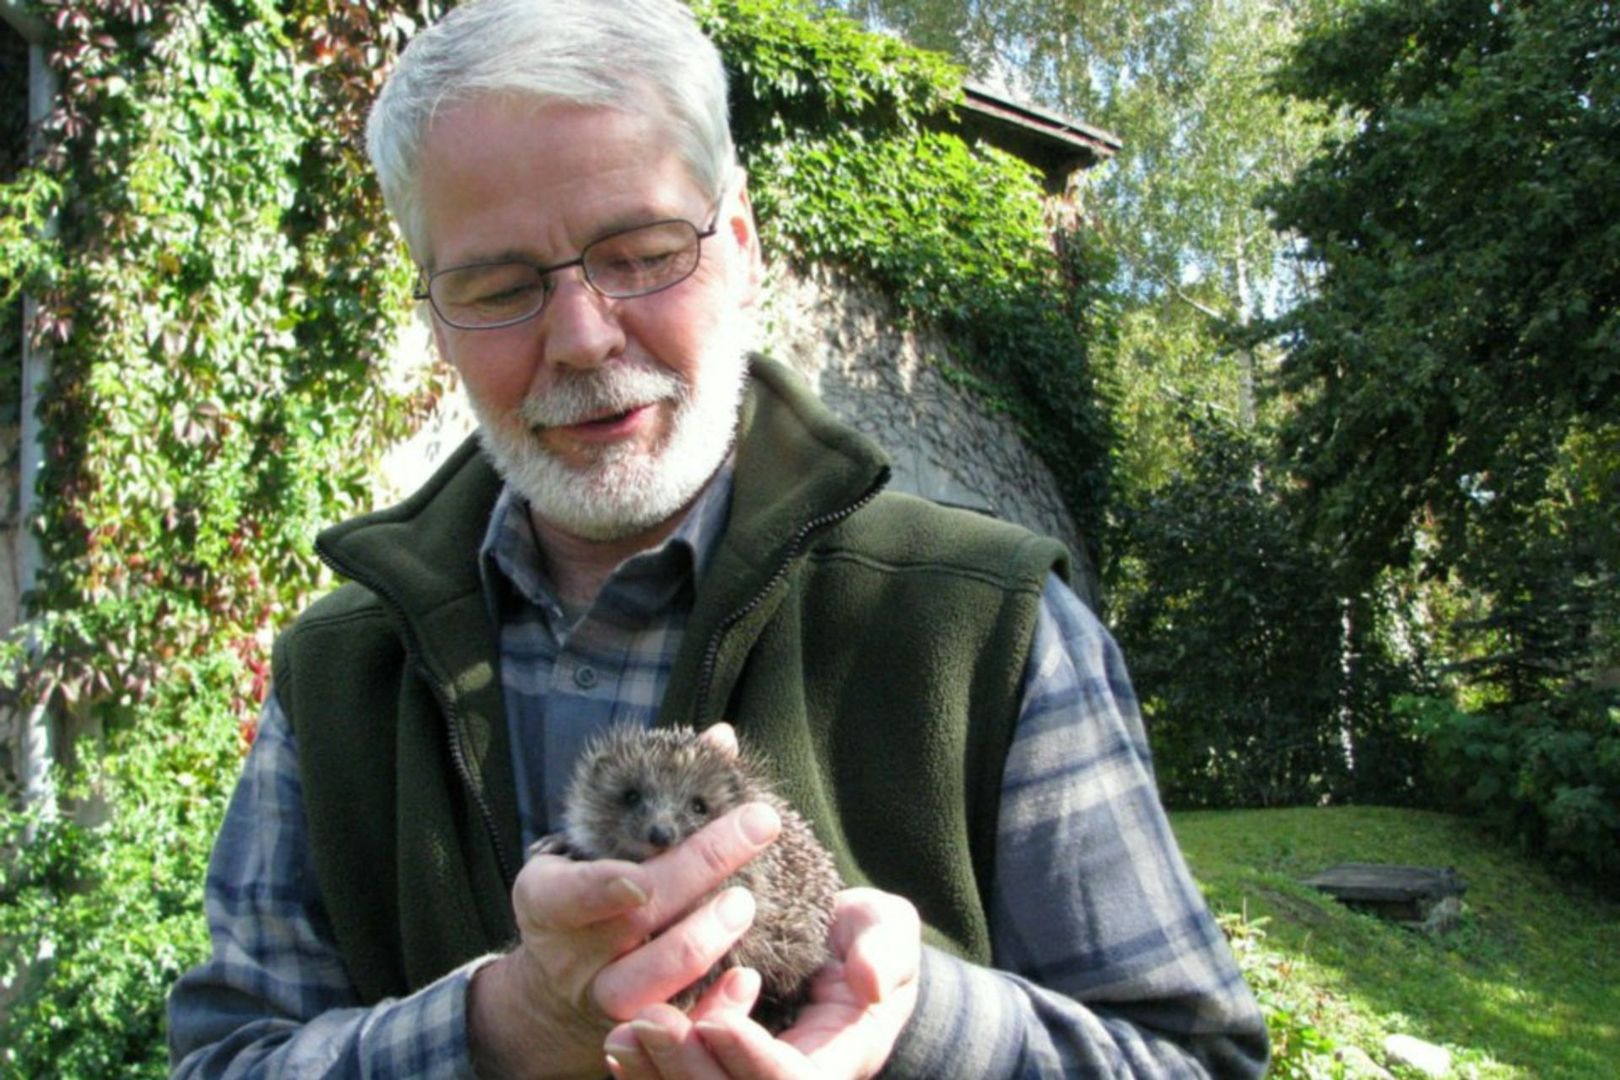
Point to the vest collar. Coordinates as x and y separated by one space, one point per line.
795 463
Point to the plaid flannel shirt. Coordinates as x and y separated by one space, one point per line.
1107 961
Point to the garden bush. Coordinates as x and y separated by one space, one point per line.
1260 684
1545 773
98 918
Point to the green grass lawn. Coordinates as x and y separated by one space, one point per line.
1528 985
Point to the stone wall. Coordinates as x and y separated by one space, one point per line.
879 375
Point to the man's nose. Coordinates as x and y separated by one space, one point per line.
581 325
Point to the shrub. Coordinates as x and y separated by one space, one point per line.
1300 1049
110 912
1259 684
1546 773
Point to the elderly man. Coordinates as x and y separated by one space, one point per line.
655 527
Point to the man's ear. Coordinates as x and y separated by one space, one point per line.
741 231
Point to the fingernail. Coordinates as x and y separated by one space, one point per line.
744 985
654 1038
736 908
760 823
624 891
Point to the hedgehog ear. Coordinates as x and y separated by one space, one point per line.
723 737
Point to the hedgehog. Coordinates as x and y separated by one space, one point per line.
639 791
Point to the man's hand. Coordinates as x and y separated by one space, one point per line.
602 941
858 1004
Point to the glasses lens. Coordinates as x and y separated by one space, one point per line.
644 260
473 296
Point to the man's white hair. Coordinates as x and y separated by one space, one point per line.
646 57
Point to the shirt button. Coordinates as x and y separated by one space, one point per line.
584 677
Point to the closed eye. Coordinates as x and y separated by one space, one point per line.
511 294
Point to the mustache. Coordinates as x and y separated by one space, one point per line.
605 391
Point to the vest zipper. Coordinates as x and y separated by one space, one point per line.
458 756
711 654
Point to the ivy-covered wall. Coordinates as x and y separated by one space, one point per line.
218 300
883 376
14 67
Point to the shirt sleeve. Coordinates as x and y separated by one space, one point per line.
1107 961
274 997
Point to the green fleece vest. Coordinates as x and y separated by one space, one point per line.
869 644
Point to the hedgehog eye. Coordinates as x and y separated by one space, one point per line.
631 798
699 807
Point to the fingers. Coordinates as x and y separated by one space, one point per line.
661 1042
658 1043
605 939
694 868
675 959
858 1005
553 893
574 918
744 1049
732 995
557 893
877 936
861 1000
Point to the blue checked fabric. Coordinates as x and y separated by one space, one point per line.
1107 962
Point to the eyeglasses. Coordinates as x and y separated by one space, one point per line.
633 262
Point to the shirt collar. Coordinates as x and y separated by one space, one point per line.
641 586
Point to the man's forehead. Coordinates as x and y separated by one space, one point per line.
513 179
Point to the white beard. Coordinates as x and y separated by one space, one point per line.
625 490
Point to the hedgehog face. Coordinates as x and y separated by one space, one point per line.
655 814
632 800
